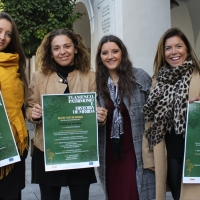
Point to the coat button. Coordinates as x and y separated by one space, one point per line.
135 138
132 113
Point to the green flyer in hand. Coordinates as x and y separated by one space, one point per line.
70 131
8 149
191 166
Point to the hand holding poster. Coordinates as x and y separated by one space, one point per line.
191 166
70 131
8 149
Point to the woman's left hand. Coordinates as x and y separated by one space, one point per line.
101 114
194 99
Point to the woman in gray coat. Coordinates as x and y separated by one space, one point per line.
122 91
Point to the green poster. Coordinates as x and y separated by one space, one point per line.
191 169
70 131
8 150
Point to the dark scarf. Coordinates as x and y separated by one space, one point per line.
63 74
64 71
166 106
117 129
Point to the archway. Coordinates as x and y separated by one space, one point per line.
84 25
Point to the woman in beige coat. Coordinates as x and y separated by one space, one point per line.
64 68
176 80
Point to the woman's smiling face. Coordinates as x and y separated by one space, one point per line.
111 55
5 33
175 51
63 50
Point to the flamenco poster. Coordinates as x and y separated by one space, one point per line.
70 131
8 149
191 169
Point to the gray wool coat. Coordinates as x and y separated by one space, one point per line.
145 178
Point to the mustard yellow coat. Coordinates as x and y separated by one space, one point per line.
12 90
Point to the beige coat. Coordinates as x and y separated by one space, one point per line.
157 157
50 84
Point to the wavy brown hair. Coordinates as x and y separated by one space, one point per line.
44 55
160 61
15 47
124 70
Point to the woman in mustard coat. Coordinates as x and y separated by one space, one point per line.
13 87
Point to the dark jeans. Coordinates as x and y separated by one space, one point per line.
77 192
174 176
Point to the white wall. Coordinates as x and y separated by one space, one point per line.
144 22
181 18
139 23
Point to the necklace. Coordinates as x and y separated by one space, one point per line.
62 80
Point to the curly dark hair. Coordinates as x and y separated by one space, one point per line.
44 55
124 70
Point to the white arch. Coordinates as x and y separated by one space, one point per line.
180 18
89 8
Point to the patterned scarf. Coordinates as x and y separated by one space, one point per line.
166 106
117 128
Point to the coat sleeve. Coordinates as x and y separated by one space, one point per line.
143 79
93 87
33 98
147 154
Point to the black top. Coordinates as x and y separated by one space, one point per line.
60 178
175 144
63 74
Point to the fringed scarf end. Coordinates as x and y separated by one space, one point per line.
23 146
5 170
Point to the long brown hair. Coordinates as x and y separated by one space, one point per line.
159 60
46 62
15 47
124 70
